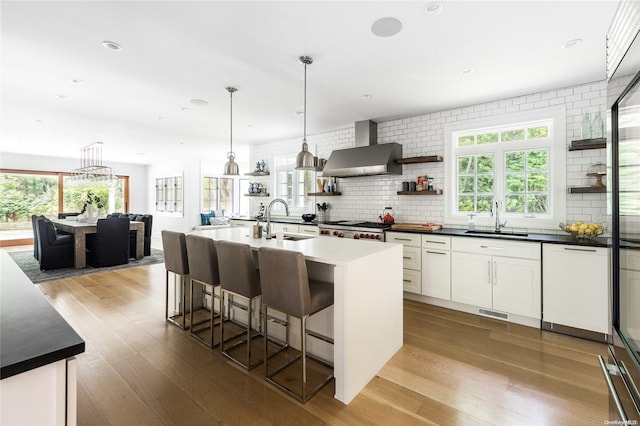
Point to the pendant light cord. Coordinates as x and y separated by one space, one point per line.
231 122
304 137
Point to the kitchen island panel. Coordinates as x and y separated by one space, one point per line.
367 310
368 319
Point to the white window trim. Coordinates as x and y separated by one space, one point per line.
278 209
557 169
234 196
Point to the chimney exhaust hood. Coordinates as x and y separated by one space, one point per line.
367 158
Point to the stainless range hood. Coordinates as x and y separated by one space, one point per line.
367 158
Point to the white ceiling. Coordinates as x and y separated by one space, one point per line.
182 50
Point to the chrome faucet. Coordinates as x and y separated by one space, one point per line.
276 200
495 211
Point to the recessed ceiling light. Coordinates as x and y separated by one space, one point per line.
160 118
572 43
367 96
77 81
467 71
140 153
433 8
249 125
299 113
37 120
386 27
112 45
199 102
185 109
62 97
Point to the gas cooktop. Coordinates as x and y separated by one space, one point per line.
359 224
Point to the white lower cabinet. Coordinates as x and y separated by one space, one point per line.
411 259
471 279
284 227
576 287
309 230
241 223
436 266
497 274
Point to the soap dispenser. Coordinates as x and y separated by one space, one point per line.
472 224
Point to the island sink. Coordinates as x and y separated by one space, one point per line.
505 234
296 237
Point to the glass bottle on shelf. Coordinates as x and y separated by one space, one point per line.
586 127
597 128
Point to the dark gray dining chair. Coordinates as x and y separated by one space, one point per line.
109 246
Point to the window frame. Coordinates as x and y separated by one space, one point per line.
286 164
556 144
218 193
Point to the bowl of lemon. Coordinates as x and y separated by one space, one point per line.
583 230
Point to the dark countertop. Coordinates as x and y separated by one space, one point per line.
279 219
32 332
531 237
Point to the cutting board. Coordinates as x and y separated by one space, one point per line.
415 227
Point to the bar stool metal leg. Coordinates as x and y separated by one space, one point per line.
211 343
182 312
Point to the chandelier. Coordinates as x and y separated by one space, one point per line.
91 170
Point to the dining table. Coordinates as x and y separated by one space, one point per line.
80 231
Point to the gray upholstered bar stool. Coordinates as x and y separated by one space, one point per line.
238 278
203 270
287 288
174 248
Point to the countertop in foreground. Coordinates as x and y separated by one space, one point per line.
32 332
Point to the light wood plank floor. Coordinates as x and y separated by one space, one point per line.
454 369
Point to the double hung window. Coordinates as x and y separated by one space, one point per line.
509 163
217 194
293 185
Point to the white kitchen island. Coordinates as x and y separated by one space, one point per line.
367 312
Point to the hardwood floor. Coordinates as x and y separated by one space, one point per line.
454 368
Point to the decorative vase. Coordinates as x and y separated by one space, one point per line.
90 211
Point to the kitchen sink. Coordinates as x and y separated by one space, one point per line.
505 234
296 237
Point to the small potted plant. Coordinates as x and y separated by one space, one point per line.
91 201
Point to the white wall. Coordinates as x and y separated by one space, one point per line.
365 197
138 187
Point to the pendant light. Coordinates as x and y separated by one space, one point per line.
231 167
304 159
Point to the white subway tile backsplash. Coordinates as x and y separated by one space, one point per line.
365 197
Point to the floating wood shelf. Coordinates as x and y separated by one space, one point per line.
256 195
257 174
423 159
323 194
587 189
581 144
432 192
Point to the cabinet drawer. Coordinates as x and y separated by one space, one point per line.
411 281
436 242
497 247
404 238
309 230
411 258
